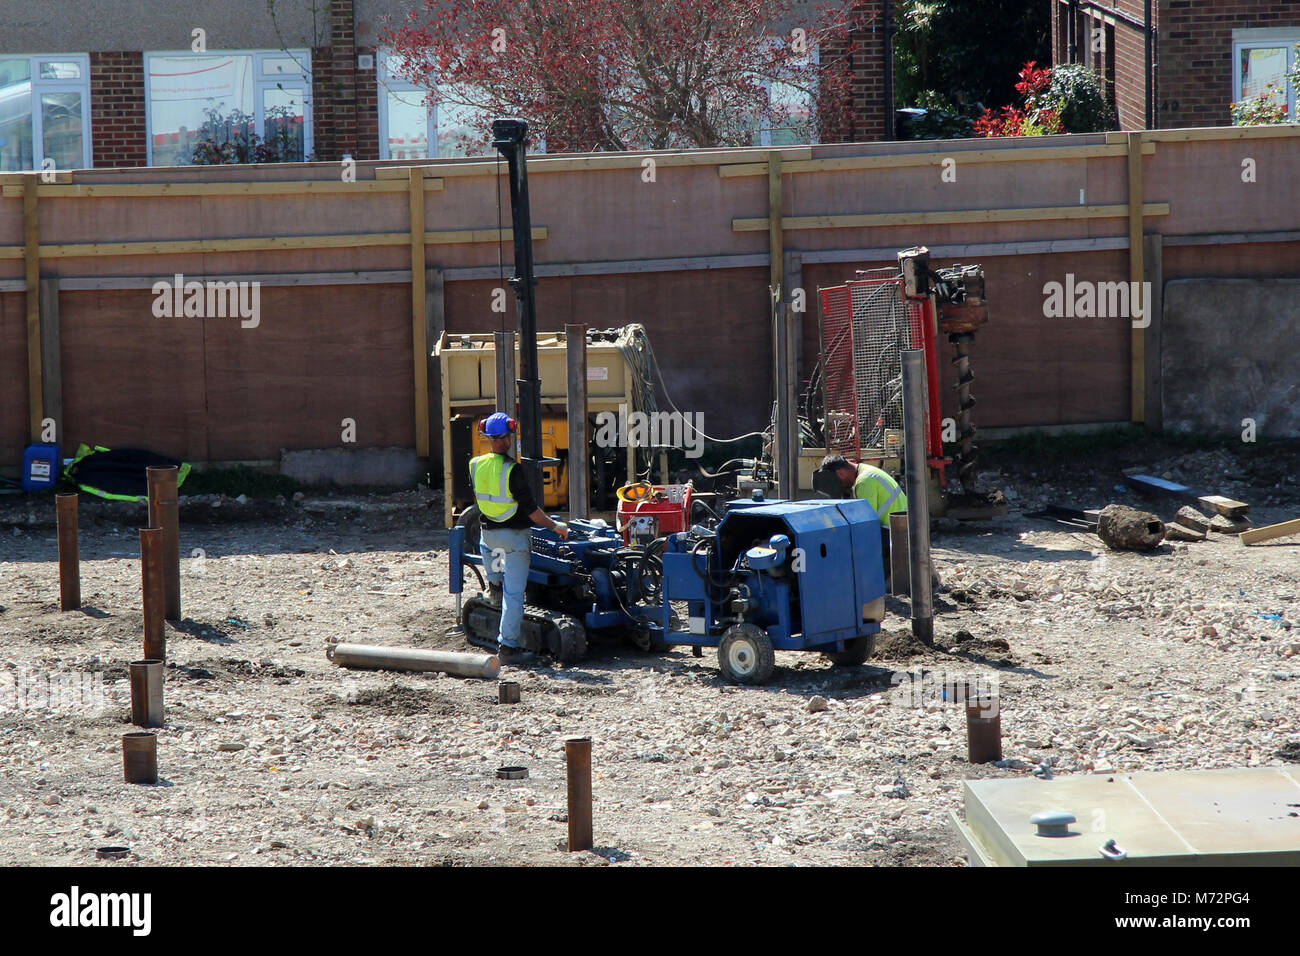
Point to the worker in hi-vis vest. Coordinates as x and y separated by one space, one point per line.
509 511
876 487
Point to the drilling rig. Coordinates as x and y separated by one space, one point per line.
853 403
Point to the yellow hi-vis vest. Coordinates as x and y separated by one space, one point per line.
880 490
490 476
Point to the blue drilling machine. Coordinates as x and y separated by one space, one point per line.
761 576
772 575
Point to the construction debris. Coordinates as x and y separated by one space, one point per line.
1229 525
1176 531
1193 520
1225 506
1127 529
1269 532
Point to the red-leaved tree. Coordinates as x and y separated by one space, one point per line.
593 75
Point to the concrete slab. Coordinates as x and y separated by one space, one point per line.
1180 818
1228 352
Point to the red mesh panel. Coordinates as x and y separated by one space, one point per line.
837 356
865 324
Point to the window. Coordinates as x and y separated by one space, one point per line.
44 112
405 121
228 97
407 126
793 105
1261 61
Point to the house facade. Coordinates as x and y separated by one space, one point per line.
1181 63
142 82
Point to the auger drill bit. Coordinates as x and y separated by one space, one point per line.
966 454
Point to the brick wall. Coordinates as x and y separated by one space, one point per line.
117 126
1195 73
1130 77
342 96
868 115
367 87
1121 60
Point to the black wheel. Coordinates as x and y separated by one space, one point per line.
566 641
746 655
855 652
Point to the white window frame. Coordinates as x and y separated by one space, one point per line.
261 83
387 83
40 86
765 126
1267 38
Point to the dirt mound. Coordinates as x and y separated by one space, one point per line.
404 700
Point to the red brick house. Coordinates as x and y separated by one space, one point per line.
133 85
1180 63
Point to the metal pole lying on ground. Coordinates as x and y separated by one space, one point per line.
918 502
147 693
374 657
151 581
577 762
140 757
69 553
575 340
164 513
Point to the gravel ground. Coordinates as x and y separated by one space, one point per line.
1105 661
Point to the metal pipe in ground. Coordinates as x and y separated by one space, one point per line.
983 729
69 553
164 513
575 341
140 757
577 762
899 565
508 692
154 602
918 502
374 657
147 693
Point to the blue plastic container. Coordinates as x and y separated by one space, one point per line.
40 467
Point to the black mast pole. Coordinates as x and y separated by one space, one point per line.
510 137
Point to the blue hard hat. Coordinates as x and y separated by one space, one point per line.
498 424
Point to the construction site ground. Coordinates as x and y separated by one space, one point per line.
1104 662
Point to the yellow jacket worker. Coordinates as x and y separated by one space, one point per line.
870 483
508 512
876 487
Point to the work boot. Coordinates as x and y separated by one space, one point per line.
493 595
516 656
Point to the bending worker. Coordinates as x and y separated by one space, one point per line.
509 512
875 485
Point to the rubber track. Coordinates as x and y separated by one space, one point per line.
573 637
